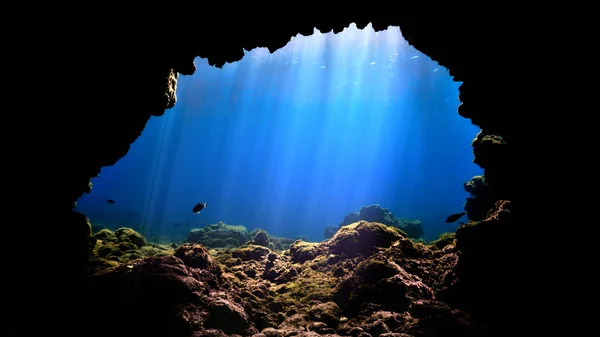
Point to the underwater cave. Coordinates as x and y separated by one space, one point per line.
366 279
293 141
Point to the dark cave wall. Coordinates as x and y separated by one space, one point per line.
110 81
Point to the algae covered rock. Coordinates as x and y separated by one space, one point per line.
279 270
251 252
363 238
125 234
444 240
261 238
156 297
328 313
219 235
106 235
280 243
373 284
227 316
302 251
376 213
122 246
195 255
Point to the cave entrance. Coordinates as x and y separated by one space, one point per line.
291 142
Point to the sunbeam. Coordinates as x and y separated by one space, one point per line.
291 142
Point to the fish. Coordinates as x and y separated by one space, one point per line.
110 201
455 217
199 206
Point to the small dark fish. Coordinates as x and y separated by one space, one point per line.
199 206
110 201
455 217
176 225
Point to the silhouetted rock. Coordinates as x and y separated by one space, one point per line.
261 238
493 153
330 231
151 297
482 246
481 199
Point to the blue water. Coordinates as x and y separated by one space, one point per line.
293 141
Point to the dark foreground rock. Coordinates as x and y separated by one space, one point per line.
368 280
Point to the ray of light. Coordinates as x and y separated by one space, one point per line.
293 141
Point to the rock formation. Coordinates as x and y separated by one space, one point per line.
376 213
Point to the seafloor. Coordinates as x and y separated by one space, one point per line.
369 279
